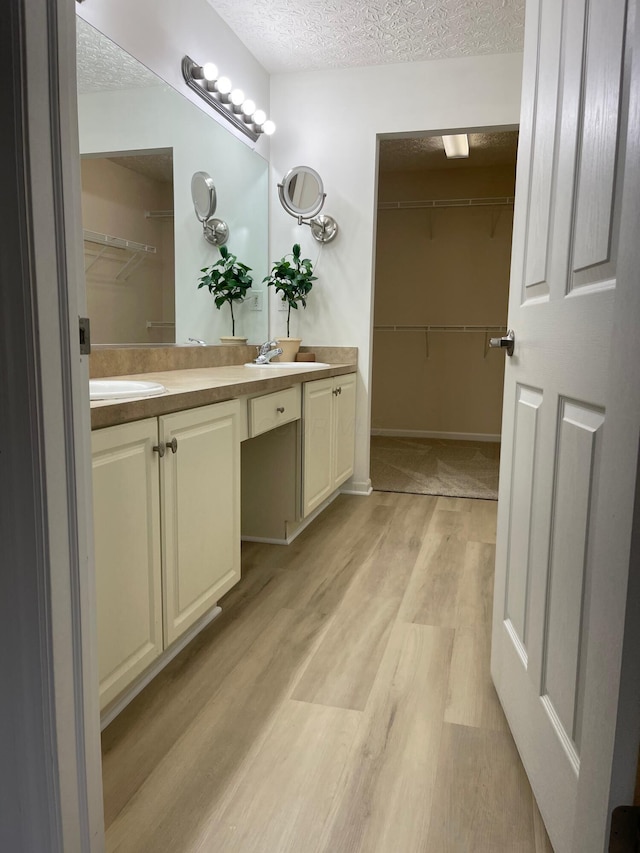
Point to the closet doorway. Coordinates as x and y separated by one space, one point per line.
443 252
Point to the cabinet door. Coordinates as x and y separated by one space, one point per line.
317 481
344 428
200 486
126 524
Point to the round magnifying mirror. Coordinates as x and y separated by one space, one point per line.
203 193
302 192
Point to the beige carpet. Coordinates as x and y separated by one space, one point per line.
433 466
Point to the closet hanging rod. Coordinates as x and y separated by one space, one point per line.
503 201
494 328
158 214
117 242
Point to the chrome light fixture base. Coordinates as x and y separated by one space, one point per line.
199 86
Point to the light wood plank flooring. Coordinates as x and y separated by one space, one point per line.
342 702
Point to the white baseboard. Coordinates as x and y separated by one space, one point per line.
363 489
312 517
138 686
455 436
264 540
298 530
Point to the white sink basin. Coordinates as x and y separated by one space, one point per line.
121 389
298 365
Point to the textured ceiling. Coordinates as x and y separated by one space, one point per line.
289 35
104 67
158 167
427 152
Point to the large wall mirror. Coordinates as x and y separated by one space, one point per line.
140 144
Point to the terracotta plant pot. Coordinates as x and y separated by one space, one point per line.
290 347
228 339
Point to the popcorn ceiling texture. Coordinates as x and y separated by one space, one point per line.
297 35
104 67
427 152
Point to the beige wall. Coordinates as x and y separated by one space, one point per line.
440 267
114 200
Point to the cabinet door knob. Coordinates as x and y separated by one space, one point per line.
335 392
173 444
339 389
159 449
280 409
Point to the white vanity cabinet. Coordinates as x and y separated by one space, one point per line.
166 495
329 409
200 490
126 529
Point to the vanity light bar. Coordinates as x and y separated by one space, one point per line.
219 93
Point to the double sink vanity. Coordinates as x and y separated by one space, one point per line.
227 451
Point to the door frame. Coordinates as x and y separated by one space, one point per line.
493 128
612 730
50 773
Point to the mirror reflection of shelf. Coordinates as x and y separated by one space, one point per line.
160 324
158 214
130 254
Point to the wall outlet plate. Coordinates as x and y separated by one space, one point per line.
255 299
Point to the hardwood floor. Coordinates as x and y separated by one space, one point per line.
342 702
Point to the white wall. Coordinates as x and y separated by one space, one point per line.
160 32
330 120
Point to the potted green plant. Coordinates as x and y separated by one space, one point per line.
293 279
228 281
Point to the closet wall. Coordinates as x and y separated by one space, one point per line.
445 266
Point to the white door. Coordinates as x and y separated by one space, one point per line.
200 487
570 423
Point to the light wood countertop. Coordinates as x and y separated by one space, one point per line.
190 388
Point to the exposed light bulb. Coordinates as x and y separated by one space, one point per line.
259 117
237 97
210 71
224 85
268 127
248 108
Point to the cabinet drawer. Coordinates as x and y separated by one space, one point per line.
273 410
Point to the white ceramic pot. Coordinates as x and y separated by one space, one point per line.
228 339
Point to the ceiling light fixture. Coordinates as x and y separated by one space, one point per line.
456 146
219 93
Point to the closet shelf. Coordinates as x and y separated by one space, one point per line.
133 253
158 214
502 201
487 331
498 327
160 324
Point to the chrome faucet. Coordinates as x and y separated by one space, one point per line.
197 341
267 351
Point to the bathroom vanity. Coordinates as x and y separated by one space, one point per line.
227 452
